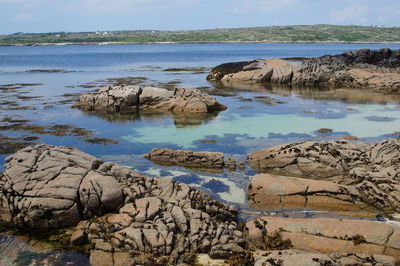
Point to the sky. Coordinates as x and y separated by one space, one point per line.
92 15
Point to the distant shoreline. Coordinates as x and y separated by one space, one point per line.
194 42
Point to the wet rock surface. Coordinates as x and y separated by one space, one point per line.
372 170
377 69
294 257
203 159
193 159
123 98
121 213
327 236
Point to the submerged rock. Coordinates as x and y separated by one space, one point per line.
148 99
373 170
327 236
363 68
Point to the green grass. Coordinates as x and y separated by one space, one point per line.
299 33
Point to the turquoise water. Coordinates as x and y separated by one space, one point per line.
256 117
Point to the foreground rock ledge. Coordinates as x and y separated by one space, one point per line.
367 173
327 235
125 218
363 69
51 187
148 99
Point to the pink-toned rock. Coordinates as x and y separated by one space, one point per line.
267 190
303 258
373 170
323 235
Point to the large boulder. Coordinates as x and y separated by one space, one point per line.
51 187
373 170
112 98
325 235
120 99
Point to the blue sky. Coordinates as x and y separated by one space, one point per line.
91 15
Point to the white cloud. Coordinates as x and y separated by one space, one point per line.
24 17
241 6
350 14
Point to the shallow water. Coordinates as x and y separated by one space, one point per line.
256 117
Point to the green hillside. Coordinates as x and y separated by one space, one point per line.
299 33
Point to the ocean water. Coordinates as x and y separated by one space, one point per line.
256 117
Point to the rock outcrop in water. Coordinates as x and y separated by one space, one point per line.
364 68
148 99
263 70
192 159
367 173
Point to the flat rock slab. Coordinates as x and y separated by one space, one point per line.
328 236
373 170
271 191
202 159
304 258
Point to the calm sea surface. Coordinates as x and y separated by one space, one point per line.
256 117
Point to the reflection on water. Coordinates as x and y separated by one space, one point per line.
181 120
350 95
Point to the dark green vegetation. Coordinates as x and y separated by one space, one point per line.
12 144
299 33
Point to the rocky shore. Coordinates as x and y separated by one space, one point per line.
121 217
378 70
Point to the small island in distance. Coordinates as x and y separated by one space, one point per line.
271 34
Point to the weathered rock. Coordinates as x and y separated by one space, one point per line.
112 98
193 101
328 235
203 159
130 214
266 190
230 164
374 170
226 251
79 237
118 99
269 70
303 258
363 68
